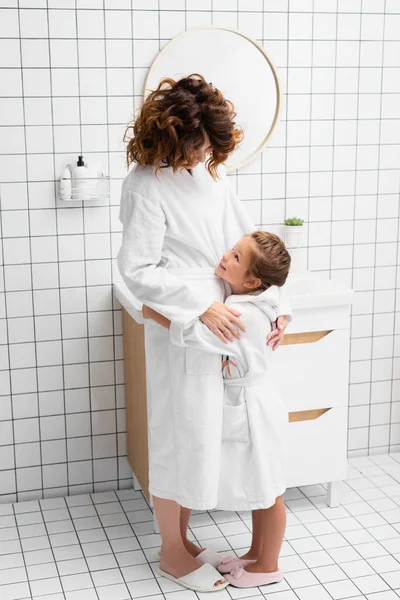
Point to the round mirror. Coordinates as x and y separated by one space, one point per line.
239 67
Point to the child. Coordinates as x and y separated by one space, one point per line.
254 417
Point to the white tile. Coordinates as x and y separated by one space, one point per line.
42 571
15 591
371 550
62 24
342 589
117 24
107 577
147 587
370 584
12 575
93 111
76 582
145 25
92 535
90 24
67 552
314 592
98 563
383 564
72 567
65 111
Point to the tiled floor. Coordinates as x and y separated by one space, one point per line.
102 546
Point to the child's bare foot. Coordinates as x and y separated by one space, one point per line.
258 567
250 555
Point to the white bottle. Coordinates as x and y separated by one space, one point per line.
66 184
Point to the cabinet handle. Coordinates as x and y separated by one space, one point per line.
304 338
307 415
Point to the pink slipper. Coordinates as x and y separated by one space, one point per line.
243 579
229 562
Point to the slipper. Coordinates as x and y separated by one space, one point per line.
213 558
243 579
229 562
200 580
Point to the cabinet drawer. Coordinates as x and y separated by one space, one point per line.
313 319
312 369
317 449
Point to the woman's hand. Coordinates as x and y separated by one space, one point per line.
223 321
275 338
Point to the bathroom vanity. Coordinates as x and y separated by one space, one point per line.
312 371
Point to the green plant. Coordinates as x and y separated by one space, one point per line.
294 222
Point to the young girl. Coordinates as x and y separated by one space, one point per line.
254 417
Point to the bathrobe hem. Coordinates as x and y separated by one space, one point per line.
185 502
250 504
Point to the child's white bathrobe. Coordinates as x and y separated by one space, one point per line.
255 419
176 226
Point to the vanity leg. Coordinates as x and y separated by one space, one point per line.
136 485
156 528
333 493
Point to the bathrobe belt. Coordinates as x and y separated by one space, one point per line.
248 380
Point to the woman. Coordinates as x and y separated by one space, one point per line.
179 215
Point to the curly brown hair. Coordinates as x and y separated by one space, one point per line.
172 123
270 262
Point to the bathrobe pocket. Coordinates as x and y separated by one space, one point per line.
235 423
199 362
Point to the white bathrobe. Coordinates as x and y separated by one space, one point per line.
255 419
176 226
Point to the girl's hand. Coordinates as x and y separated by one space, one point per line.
223 321
275 338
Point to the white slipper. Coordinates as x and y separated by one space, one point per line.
210 557
200 580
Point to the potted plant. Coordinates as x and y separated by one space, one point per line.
293 231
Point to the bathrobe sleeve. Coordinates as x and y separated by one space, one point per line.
199 337
236 224
144 227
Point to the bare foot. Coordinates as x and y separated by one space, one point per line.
260 568
192 548
250 556
178 562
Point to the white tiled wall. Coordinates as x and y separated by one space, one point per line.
71 75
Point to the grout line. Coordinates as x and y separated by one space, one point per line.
37 390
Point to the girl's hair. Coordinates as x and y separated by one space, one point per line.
173 121
270 260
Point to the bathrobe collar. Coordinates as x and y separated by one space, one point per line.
267 301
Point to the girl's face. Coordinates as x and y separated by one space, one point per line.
200 154
234 267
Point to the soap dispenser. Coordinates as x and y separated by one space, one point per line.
78 173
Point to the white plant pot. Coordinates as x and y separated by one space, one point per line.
293 235
293 238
